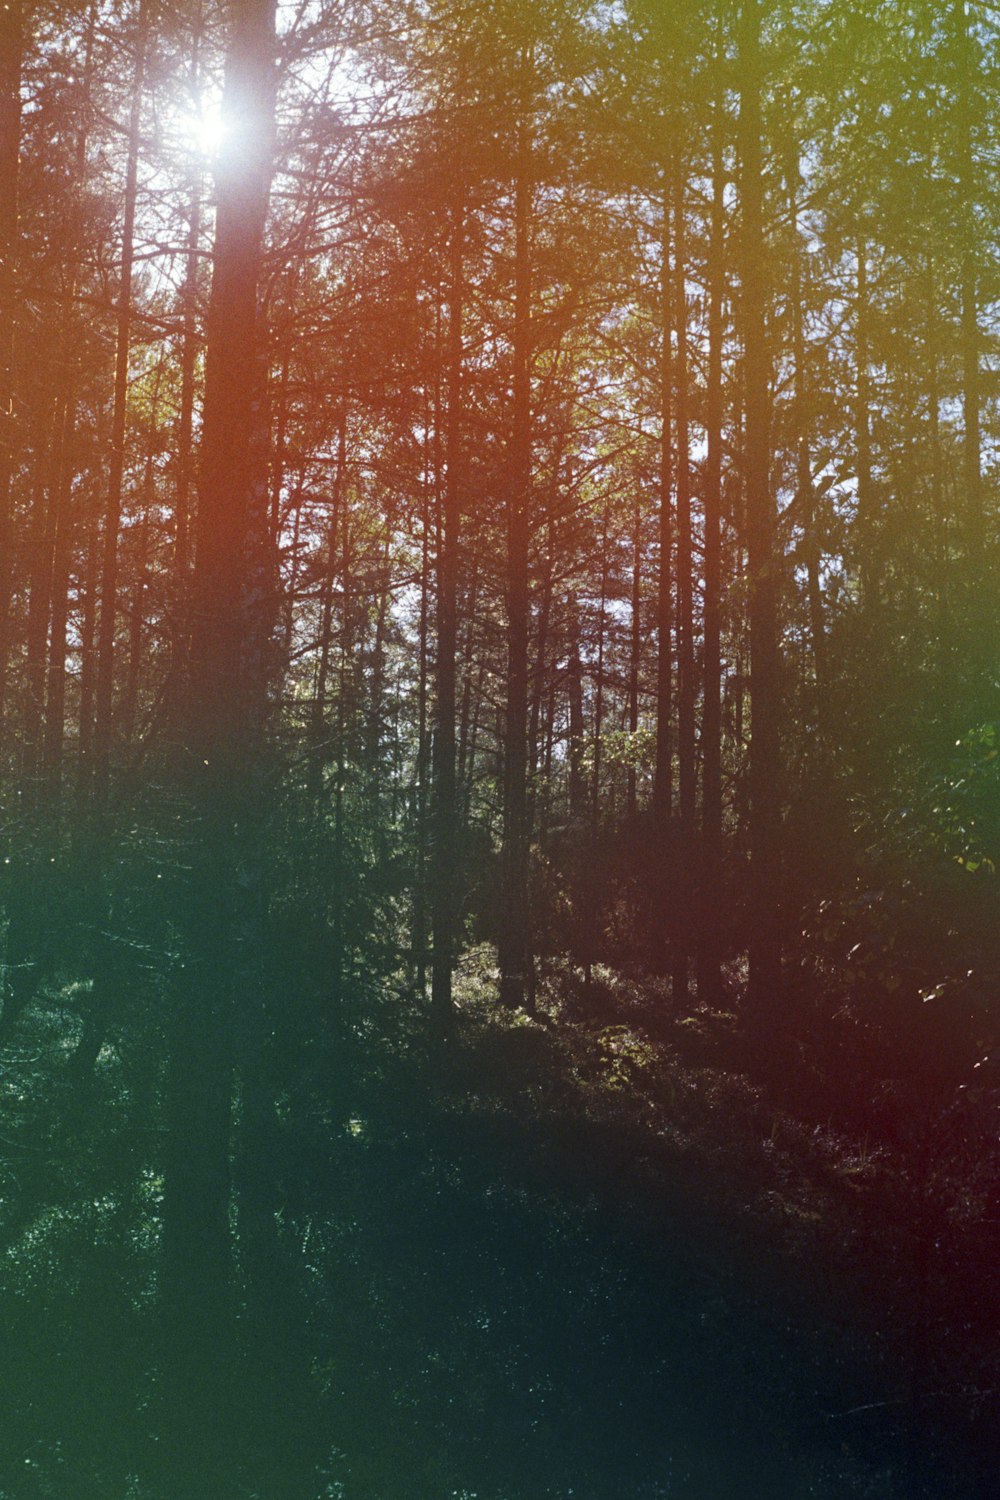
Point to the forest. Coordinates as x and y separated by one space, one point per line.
499 749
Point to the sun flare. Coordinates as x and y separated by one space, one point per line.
206 129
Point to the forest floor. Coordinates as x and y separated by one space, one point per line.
559 1261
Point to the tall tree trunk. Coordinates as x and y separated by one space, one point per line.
472 694
53 597
48 603
983 634
945 664
88 664
545 801
663 768
709 954
318 748
185 436
868 527
663 772
41 547
62 542
445 880
592 881
540 672
113 506
804 490
574 693
188 363
344 708
221 751
762 553
137 622
969 289
634 655
516 964
11 57
375 717
420 928
686 683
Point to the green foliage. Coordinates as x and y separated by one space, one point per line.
969 807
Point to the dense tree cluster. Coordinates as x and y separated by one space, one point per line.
491 477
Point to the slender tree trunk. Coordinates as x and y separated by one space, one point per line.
53 597
574 693
869 540
540 672
318 750
686 683
419 940
663 769
635 655
545 811
45 508
762 554
663 773
280 446
472 710
945 663
516 985
137 623
983 634
969 292
11 57
592 874
446 880
804 490
471 700
709 954
188 371
185 438
344 707
113 507
265 648
374 727
88 663
62 540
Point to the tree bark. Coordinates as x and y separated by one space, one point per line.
686 683
867 520
762 556
663 772
634 655
445 881
62 541
969 291
420 914
516 985
221 751
709 948
804 490
11 58
185 444
41 549
113 508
